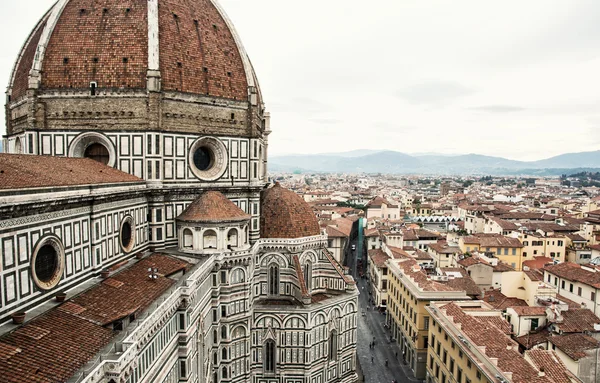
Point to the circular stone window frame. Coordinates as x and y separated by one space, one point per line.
58 246
84 140
219 155
127 219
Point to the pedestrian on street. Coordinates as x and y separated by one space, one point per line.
396 354
386 362
372 360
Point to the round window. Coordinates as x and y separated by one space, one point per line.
208 159
48 263
203 158
127 234
97 152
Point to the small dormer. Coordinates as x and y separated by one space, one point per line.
212 223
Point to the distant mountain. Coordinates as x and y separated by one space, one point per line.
390 162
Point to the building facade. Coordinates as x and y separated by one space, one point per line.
136 185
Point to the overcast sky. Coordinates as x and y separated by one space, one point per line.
513 78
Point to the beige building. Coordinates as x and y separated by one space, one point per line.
537 245
469 342
382 208
443 254
410 292
578 283
506 249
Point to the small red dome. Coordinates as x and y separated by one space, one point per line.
212 206
286 215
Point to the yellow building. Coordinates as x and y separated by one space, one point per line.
470 343
410 291
507 249
536 245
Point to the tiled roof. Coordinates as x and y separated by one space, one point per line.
19 171
53 346
444 248
578 320
208 63
550 363
574 345
411 268
574 272
212 206
529 310
378 257
464 283
497 345
499 301
538 262
533 338
493 240
470 261
284 214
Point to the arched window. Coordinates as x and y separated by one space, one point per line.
97 152
188 239
215 337
224 354
269 357
308 275
223 332
210 239
18 146
232 238
273 280
224 373
215 360
333 345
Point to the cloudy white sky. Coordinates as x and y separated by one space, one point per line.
514 78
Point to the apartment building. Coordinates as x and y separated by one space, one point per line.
507 249
578 283
469 342
410 291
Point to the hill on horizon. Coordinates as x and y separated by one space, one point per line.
392 162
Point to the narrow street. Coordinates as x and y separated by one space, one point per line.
371 326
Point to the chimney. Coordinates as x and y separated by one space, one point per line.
542 372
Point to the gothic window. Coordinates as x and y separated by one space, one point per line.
269 357
223 332
273 280
333 345
224 373
224 354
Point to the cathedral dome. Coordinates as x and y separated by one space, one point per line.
213 207
191 46
285 214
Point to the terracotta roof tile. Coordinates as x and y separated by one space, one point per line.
578 320
574 345
213 206
286 215
73 332
550 363
18 171
575 272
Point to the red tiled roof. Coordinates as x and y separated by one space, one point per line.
286 215
578 320
208 63
533 338
499 301
212 206
529 310
575 345
550 363
19 171
378 257
493 240
497 345
53 346
576 273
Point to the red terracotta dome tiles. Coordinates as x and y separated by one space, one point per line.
286 215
